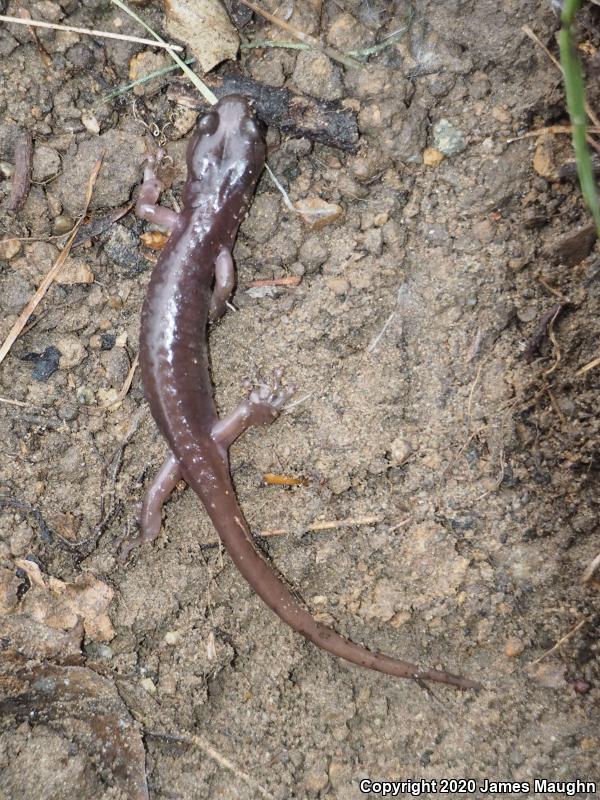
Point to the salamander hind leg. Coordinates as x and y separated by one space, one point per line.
146 207
157 494
261 407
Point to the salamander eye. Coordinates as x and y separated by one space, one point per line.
208 123
252 128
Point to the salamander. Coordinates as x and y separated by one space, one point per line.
190 286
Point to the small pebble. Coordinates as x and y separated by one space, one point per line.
90 122
149 685
400 450
317 213
62 224
513 647
338 286
85 396
581 686
448 139
9 249
313 253
432 157
72 352
73 272
46 363
107 341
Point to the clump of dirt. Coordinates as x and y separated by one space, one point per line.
439 330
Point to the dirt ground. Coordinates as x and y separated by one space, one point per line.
436 335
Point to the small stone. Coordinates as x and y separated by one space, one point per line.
345 33
315 781
90 122
108 341
400 450
549 674
581 686
313 253
172 637
484 231
373 241
73 272
108 397
432 157
513 647
316 74
68 411
501 114
72 352
528 313
543 158
318 213
62 224
46 363
143 64
339 773
149 685
85 396
9 249
183 122
46 162
448 139
338 286
574 247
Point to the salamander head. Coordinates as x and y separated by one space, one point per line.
226 152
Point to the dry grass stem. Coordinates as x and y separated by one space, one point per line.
52 273
126 386
88 32
302 37
552 338
528 32
588 367
290 280
561 641
590 570
328 525
202 744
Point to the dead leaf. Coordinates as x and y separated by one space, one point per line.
205 28
155 240
86 709
62 605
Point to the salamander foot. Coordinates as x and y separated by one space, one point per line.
261 407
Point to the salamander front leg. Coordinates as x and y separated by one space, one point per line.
260 408
224 283
146 207
157 494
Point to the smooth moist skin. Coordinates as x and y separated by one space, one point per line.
191 283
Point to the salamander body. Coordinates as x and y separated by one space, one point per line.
191 283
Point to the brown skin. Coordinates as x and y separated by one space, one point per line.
225 158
